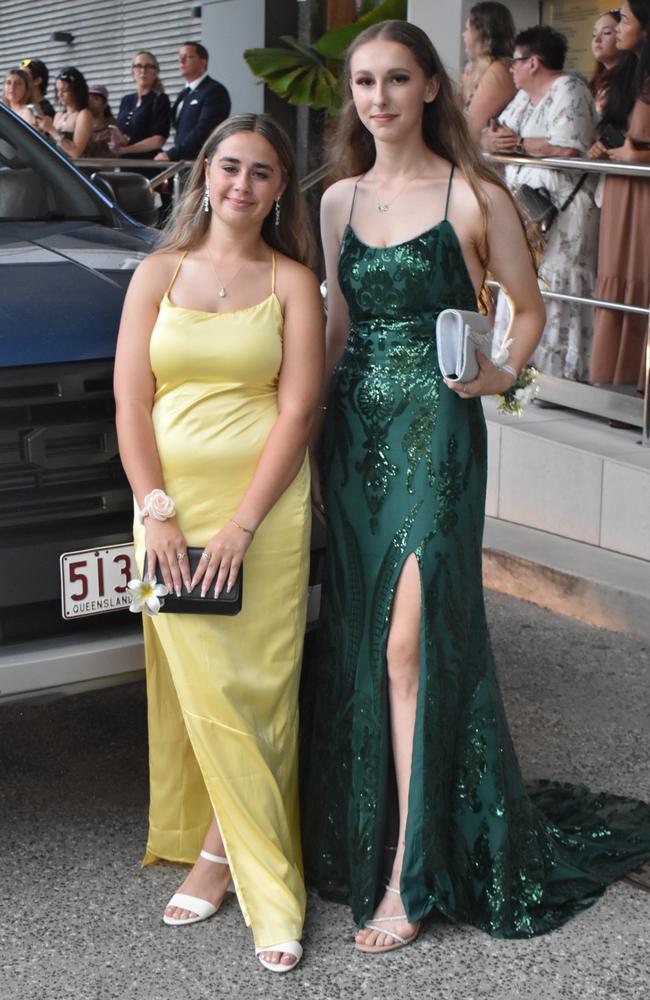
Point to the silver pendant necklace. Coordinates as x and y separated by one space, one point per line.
222 284
383 206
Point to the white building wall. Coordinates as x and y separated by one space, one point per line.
106 36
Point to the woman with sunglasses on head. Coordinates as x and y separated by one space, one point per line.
17 94
40 78
144 117
71 128
410 747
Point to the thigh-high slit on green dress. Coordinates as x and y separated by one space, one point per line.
404 465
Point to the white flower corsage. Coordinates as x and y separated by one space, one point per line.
157 505
146 595
523 389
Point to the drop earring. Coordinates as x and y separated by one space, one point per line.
277 211
206 199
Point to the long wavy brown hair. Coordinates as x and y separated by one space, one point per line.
444 128
495 31
188 224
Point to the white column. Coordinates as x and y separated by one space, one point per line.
443 21
227 28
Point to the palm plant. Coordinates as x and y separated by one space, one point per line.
309 73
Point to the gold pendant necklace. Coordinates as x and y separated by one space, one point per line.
222 284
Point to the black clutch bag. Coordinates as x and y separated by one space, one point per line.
227 603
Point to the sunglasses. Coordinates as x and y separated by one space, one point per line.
25 63
66 77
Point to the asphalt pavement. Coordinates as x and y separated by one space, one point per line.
80 920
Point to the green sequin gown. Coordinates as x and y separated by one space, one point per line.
404 464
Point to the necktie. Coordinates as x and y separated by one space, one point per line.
181 101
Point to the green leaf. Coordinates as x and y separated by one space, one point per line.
307 51
263 61
335 43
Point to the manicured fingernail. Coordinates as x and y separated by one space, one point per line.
178 591
203 593
228 589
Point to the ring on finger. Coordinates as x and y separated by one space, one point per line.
180 556
206 556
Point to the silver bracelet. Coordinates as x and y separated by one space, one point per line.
157 505
510 370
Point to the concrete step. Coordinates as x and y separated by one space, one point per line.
583 581
570 475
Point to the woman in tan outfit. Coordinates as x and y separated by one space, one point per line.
618 353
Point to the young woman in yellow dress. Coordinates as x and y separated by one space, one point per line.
218 372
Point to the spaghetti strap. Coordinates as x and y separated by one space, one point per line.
354 198
272 272
451 177
176 270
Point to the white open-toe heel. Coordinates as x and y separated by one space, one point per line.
292 947
201 907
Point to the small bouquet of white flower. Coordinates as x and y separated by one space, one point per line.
523 389
147 595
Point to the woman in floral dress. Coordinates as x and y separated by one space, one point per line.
553 114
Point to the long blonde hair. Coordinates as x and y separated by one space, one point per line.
444 127
188 224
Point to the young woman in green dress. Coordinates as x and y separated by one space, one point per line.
409 741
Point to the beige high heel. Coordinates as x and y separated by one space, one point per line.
397 942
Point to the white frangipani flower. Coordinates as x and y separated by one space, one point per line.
146 595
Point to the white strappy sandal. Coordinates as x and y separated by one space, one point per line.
290 947
201 907
397 942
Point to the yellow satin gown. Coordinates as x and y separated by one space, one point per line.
223 692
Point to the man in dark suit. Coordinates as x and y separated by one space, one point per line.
199 107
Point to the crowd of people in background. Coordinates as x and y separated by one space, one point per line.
519 98
84 125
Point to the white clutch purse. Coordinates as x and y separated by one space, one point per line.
459 334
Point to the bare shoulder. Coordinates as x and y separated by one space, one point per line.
499 200
337 198
465 203
294 278
156 272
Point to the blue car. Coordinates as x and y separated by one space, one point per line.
67 252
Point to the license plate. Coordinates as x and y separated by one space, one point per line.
93 581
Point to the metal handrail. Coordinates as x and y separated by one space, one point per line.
169 170
607 168
309 180
578 163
